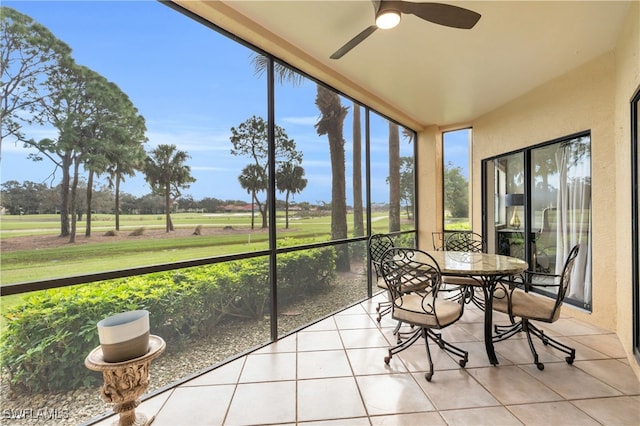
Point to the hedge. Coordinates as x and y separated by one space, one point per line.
48 336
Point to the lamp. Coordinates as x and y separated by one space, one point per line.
514 200
387 18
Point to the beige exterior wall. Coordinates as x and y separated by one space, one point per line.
429 157
580 100
627 79
592 97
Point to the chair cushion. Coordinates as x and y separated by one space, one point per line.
500 300
409 308
526 305
461 281
381 283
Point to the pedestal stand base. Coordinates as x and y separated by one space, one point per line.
126 381
138 419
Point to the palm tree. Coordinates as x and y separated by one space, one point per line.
358 219
331 124
290 180
251 139
253 180
129 159
394 177
166 172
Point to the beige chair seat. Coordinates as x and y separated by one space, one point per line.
381 283
528 305
461 281
411 308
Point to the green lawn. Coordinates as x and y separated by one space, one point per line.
126 251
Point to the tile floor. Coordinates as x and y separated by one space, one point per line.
333 373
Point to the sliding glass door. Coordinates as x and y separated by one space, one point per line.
537 205
506 221
635 218
560 211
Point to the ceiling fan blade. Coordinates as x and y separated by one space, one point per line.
438 13
354 42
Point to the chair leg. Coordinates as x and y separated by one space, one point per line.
477 300
403 345
503 332
546 340
429 374
469 295
397 333
421 332
443 344
383 309
427 334
525 328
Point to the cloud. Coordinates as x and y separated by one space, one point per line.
192 140
37 133
303 121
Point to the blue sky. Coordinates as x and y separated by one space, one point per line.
184 79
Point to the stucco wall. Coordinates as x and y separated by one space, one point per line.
627 79
429 158
580 100
592 97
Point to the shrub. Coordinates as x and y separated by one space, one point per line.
137 232
48 336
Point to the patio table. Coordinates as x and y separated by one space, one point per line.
487 270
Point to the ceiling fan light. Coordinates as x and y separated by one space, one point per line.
387 19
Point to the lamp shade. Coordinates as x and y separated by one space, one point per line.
511 200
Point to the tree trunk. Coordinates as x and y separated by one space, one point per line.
358 216
74 201
117 206
262 208
64 196
286 211
332 120
87 230
167 209
253 209
394 178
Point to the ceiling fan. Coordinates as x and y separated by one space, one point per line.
388 15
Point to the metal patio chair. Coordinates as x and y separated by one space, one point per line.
517 300
377 245
466 241
413 278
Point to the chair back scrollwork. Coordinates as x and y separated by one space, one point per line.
407 270
378 245
466 241
565 278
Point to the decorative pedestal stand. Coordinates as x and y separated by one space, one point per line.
126 381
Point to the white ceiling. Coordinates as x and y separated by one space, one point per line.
440 75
